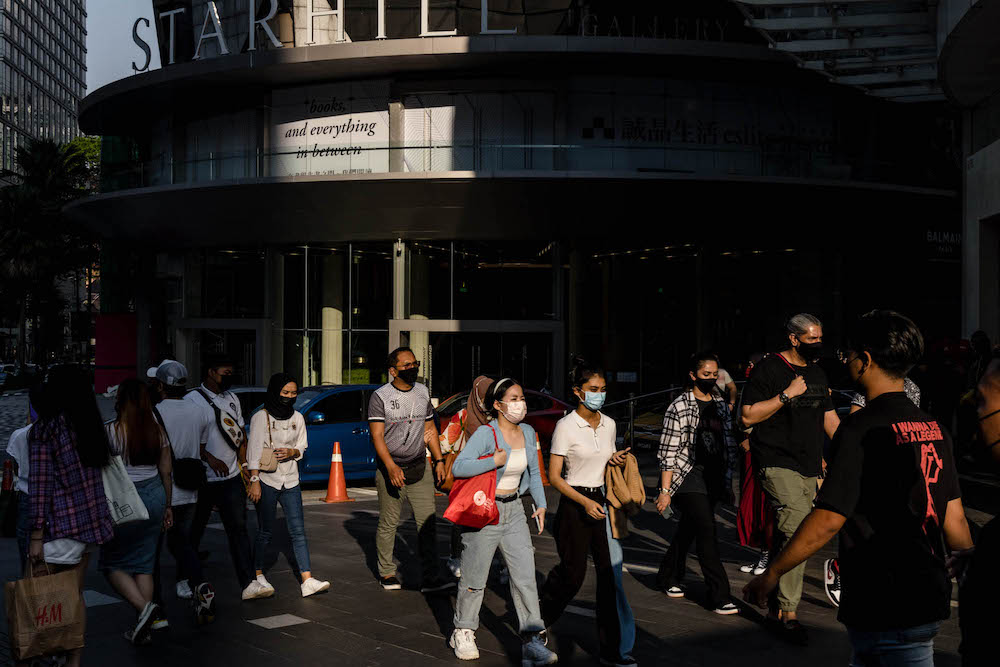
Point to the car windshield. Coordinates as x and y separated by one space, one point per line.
305 397
451 407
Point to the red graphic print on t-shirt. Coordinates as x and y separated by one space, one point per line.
926 434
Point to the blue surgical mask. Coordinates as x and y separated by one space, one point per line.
594 400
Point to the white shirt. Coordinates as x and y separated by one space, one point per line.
184 421
586 450
139 473
724 379
18 450
290 433
517 463
217 445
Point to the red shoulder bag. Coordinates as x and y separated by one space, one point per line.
472 501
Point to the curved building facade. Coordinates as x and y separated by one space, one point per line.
500 184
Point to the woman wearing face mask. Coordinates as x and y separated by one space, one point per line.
503 445
583 444
697 461
278 425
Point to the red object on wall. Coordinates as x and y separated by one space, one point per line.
115 351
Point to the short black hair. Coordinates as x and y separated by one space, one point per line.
216 360
892 339
394 356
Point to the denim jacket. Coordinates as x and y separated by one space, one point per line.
467 464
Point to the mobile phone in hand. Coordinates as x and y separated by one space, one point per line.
538 522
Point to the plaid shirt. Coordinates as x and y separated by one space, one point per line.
66 497
680 430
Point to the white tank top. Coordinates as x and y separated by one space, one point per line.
517 463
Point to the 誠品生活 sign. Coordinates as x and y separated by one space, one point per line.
331 129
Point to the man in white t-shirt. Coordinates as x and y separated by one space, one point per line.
727 387
17 449
184 423
224 466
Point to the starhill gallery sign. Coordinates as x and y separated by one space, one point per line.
306 11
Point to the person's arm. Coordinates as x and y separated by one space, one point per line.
761 411
831 422
956 526
433 441
301 438
663 498
535 486
166 470
468 462
396 476
592 507
733 393
41 479
255 450
666 454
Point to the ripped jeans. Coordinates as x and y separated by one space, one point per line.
478 546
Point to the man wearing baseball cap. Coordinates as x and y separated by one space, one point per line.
184 422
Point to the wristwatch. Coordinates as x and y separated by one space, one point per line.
783 397
437 461
255 478
245 465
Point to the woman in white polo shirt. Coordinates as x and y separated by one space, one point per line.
583 445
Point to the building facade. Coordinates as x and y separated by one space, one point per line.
499 185
43 57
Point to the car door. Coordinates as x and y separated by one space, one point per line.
337 417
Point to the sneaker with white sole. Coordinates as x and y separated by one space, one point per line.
674 592
204 604
831 581
311 586
727 609
254 591
265 584
390 583
455 567
184 591
761 567
144 623
533 652
464 643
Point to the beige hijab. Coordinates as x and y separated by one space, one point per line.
476 410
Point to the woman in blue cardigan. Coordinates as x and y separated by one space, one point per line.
505 446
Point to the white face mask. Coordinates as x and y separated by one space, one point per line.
515 412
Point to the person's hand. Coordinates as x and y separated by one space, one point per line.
168 519
594 509
286 453
796 388
218 467
439 472
662 501
759 588
618 458
958 563
245 473
500 458
36 552
396 476
539 515
745 445
254 492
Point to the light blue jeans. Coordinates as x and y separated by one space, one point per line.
909 647
478 546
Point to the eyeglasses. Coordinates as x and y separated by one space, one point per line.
845 359
414 364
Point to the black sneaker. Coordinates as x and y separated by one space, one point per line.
204 603
437 585
390 583
831 581
144 624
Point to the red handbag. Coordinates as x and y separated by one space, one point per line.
472 501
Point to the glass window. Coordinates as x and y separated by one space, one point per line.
428 281
327 284
371 286
498 280
342 407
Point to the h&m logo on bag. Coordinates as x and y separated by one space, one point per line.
48 614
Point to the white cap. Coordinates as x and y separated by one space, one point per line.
169 372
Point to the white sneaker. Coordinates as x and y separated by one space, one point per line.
674 592
455 567
265 584
727 609
534 653
313 585
464 643
184 591
254 591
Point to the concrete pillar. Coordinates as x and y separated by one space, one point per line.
332 316
397 115
418 305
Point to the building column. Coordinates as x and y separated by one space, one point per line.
332 315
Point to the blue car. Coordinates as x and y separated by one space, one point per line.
336 414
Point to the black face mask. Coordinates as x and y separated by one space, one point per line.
409 375
226 382
810 351
705 385
286 400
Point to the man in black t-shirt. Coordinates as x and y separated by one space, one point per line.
787 402
892 492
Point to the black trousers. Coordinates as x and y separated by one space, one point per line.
231 499
697 524
577 535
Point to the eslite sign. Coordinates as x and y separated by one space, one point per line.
306 11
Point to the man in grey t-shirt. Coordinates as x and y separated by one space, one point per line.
401 419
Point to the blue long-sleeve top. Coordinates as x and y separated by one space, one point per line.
470 463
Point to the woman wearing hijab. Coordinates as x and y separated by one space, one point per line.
278 426
472 417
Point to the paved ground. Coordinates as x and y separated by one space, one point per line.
357 623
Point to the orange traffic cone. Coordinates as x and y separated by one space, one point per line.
336 489
541 461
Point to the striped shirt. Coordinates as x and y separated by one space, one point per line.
404 414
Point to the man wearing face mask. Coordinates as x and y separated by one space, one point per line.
787 402
401 420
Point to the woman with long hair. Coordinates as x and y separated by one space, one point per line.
583 444
278 426
67 447
503 446
129 559
697 460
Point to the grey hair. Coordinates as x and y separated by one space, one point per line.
799 324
